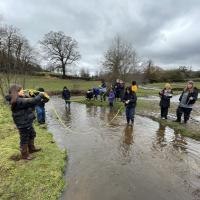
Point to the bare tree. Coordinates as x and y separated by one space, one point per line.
16 57
8 36
61 50
152 73
120 59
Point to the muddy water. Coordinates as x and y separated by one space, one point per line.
174 99
116 162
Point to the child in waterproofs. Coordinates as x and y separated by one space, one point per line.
111 98
130 100
165 96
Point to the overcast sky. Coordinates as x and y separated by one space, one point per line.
167 31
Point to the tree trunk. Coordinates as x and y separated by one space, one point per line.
64 71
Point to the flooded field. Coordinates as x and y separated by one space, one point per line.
115 162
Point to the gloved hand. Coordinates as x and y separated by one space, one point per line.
45 97
33 93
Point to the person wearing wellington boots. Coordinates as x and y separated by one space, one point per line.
130 100
22 108
165 96
187 100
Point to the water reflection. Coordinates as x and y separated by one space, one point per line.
166 137
127 141
160 140
110 115
67 116
179 143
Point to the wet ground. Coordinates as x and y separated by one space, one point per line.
174 99
116 162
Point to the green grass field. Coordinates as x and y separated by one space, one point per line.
41 178
56 84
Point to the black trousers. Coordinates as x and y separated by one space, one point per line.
111 104
164 112
26 135
185 111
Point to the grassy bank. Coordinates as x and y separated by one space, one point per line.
56 84
41 178
149 109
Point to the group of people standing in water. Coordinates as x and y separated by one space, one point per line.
23 106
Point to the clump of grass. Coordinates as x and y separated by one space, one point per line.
41 178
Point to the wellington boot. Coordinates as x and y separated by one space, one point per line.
32 148
24 152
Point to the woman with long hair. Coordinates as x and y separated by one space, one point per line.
187 100
22 109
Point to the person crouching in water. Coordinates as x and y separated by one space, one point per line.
165 96
66 95
89 94
23 116
111 98
130 100
187 100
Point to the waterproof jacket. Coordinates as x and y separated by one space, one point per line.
193 94
22 112
165 99
132 99
111 96
66 94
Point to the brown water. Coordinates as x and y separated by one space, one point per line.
116 162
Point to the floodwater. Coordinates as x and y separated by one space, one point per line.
116 162
174 99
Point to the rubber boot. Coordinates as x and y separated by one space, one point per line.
32 148
178 115
25 153
132 122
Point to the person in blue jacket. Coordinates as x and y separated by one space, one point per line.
130 100
96 93
40 109
111 98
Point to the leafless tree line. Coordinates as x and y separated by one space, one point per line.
16 56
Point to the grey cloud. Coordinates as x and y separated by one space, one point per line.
150 25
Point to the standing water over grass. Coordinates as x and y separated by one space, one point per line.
115 162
